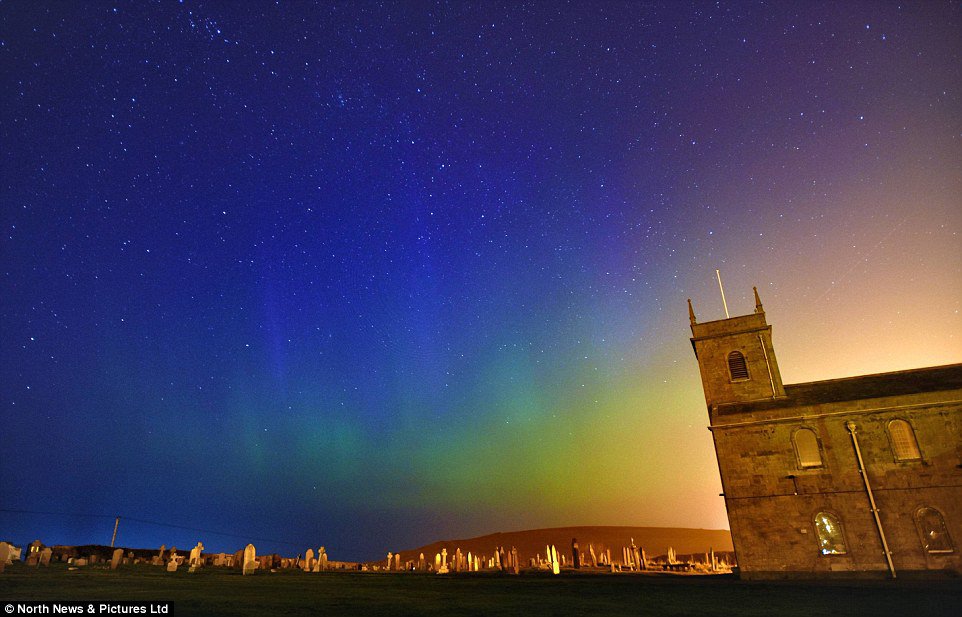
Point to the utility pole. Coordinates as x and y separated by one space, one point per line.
114 537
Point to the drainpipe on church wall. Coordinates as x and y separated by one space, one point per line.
871 498
771 377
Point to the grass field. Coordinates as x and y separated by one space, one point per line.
216 591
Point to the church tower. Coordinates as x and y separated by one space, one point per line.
736 358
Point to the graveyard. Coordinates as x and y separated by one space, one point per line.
556 580
227 591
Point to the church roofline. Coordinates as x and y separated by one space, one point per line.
862 387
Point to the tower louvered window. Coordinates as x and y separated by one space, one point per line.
737 367
903 441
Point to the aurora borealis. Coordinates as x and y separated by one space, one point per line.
370 275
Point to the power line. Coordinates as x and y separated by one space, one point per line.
147 522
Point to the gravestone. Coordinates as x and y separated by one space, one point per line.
322 558
397 562
308 560
250 560
45 555
575 554
421 562
594 558
555 564
444 562
514 560
390 560
4 555
172 564
195 560
115 558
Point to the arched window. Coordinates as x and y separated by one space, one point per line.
736 366
806 448
829 530
932 530
904 445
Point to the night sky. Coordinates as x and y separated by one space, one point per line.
370 275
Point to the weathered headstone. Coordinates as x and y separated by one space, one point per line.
514 560
322 558
421 562
308 560
172 564
575 554
250 560
160 555
555 564
115 558
444 562
4 555
594 558
45 556
195 554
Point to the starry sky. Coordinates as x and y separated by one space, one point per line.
369 275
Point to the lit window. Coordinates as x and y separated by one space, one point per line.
829 529
935 537
806 448
903 441
736 366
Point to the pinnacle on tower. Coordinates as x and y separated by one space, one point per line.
691 313
758 302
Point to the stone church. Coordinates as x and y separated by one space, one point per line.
859 476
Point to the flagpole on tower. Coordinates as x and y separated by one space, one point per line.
722 290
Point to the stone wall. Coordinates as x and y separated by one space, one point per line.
772 501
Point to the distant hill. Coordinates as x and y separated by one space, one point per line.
655 541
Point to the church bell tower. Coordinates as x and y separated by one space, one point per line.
736 358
